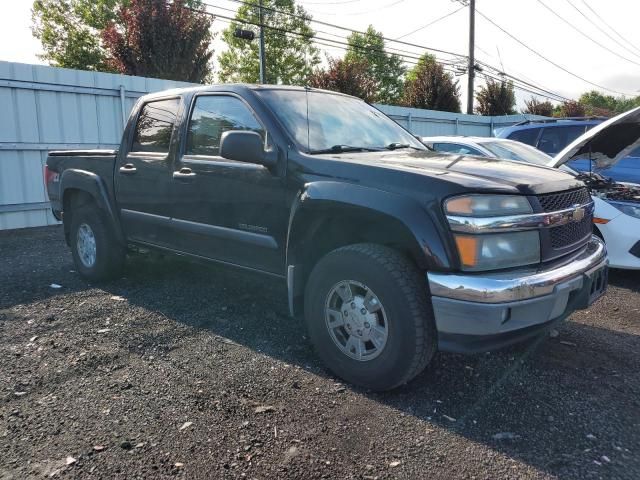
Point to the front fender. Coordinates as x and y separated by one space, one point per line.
326 196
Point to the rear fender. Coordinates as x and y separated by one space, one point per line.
94 186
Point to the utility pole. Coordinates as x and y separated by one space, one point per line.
471 68
263 65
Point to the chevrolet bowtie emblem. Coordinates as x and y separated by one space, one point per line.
578 214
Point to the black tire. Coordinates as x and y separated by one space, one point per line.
401 289
109 253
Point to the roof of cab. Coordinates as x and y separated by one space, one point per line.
233 87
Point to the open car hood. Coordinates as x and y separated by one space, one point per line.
606 143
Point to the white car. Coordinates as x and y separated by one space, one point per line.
617 205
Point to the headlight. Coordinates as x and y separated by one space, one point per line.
630 209
487 205
492 251
501 250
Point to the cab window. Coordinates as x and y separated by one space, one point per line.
213 115
155 126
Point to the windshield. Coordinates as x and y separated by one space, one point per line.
517 151
336 122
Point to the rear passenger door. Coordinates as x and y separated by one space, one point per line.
223 209
143 175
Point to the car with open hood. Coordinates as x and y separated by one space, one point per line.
617 204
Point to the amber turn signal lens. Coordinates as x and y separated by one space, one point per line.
460 205
468 250
601 221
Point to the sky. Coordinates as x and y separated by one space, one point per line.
572 44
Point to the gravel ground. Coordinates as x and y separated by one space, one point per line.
182 370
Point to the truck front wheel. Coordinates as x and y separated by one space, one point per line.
368 315
96 252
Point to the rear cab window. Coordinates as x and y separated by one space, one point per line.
155 125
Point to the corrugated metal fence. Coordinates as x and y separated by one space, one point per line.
431 122
45 108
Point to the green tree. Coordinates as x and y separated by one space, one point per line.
69 31
346 76
536 107
496 98
570 108
428 86
385 68
290 58
595 103
155 38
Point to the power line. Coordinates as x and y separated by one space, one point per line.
339 27
584 34
430 23
535 52
407 57
337 45
537 90
516 86
610 28
527 80
331 3
396 2
315 39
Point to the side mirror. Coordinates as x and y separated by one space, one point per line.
244 146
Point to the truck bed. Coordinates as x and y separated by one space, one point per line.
99 162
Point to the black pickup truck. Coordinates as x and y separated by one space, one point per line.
389 251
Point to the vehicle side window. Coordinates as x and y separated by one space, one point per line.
212 116
457 148
554 139
527 135
155 126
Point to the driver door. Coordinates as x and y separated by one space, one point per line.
227 210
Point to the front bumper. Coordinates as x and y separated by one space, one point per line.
484 311
622 235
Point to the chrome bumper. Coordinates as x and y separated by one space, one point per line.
517 284
478 312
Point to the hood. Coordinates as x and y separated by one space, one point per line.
474 173
606 143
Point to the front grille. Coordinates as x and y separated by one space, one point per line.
552 202
566 235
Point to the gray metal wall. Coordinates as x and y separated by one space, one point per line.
45 108
432 123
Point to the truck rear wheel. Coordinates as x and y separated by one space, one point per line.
96 252
369 317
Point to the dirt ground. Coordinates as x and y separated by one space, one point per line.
184 370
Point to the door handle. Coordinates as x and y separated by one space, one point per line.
128 169
184 173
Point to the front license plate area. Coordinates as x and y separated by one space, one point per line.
599 281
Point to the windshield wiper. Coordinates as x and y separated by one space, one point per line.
396 145
344 149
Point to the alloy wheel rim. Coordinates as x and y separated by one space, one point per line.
356 320
86 245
